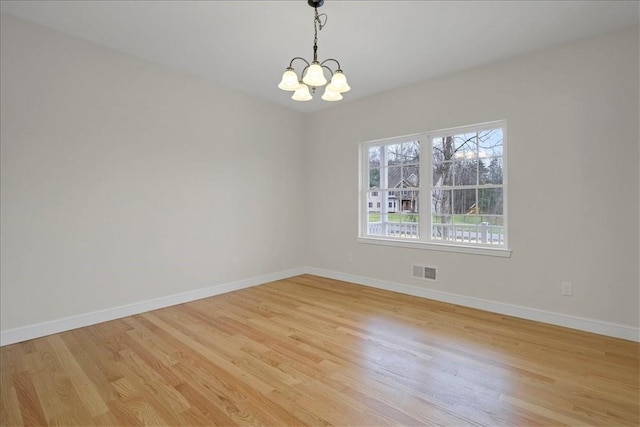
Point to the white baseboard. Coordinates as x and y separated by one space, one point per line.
12 336
24 333
574 322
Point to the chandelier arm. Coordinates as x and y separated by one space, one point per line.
331 59
300 58
327 68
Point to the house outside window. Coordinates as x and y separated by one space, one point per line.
452 197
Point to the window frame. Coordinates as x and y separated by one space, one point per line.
425 241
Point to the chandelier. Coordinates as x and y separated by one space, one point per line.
313 73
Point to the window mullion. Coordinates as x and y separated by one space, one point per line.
384 194
426 178
363 190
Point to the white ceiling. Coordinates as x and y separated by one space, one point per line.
381 45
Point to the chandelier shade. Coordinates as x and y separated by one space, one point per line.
289 80
339 82
302 93
312 75
315 76
331 95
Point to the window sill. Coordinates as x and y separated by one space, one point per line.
474 250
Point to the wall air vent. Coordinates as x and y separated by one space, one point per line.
424 272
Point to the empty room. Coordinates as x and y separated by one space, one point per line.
322 212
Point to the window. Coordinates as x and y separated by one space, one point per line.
460 204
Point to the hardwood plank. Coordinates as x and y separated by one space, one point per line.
53 386
30 412
315 351
84 387
213 413
10 363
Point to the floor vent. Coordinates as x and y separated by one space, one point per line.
424 272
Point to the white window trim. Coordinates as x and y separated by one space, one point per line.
424 192
443 247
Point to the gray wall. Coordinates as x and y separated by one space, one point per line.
572 115
123 181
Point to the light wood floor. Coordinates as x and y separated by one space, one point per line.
314 351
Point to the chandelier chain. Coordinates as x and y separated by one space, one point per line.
318 25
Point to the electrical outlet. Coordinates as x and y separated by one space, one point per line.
349 258
567 289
